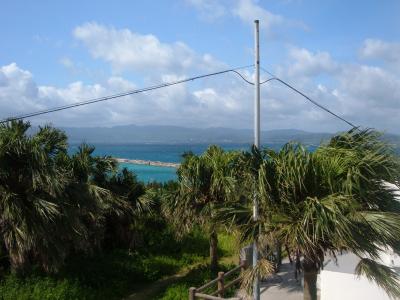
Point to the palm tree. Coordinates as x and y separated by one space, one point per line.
98 198
330 201
206 182
31 183
125 229
42 187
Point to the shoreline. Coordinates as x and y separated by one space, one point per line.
148 162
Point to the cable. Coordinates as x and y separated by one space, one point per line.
155 87
305 96
268 72
131 92
267 80
249 82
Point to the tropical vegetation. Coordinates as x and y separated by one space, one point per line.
206 183
325 202
73 225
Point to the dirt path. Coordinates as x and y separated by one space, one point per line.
149 291
153 289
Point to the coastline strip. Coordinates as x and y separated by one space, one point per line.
148 162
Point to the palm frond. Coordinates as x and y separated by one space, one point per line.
262 269
382 275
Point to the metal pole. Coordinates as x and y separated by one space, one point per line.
257 86
256 284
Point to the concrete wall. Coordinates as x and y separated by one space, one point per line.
346 286
339 282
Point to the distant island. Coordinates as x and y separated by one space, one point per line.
157 134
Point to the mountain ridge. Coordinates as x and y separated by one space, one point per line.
158 134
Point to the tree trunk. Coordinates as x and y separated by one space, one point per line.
288 254
310 279
213 251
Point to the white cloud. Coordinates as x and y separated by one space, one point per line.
209 9
308 64
370 87
210 98
177 105
364 95
17 90
378 49
248 11
127 50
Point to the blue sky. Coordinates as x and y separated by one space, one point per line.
344 54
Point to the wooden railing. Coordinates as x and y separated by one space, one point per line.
222 286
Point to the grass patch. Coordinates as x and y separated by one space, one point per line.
46 288
195 278
227 244
115 274
227 249
110 275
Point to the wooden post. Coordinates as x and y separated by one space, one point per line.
221 291
192 293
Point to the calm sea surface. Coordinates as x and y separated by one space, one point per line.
164 153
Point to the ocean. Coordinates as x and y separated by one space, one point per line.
157 152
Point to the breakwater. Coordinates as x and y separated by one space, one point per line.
148 162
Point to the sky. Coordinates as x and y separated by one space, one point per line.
343 54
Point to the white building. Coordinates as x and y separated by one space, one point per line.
339 282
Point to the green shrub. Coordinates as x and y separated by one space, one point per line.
108 276
158 266
43 288
175 292
114 274
161 239
227 244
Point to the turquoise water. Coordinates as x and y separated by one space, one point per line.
155 152
151 173
158 152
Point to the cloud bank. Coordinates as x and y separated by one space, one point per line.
366 94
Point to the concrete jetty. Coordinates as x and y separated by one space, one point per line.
148 162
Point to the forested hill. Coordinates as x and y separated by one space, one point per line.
174 135
133 134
